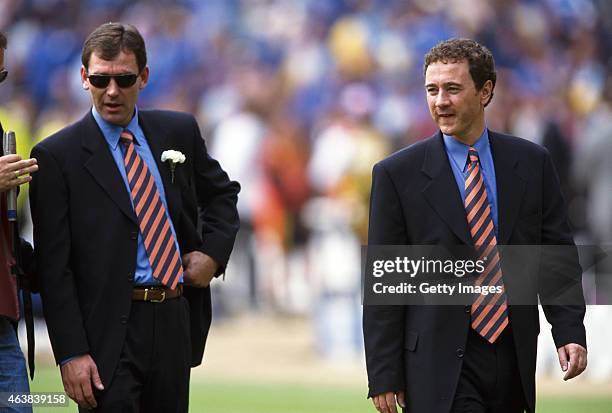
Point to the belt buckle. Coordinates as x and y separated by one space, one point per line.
163 297
152 300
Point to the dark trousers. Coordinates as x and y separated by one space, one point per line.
153 371
489 381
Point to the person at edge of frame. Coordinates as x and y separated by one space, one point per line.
14 172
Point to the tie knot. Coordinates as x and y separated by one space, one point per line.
473 156
126 137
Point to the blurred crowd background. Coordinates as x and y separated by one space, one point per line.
298 100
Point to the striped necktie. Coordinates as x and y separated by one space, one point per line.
489 312
153 221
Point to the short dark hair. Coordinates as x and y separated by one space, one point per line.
110 39
3 41
479 59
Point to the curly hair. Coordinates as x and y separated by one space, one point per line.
478 57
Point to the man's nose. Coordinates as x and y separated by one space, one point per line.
113 88
442 99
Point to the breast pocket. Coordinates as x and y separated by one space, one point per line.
181 177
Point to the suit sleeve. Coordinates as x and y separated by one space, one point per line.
383 326
217 198
561 280
49 200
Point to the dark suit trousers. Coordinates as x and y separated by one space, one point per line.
153 370
489 381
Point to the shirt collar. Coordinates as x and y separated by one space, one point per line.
112 132
459 151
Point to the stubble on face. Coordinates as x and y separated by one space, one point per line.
454 103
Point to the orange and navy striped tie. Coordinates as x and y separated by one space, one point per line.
489 312
159 241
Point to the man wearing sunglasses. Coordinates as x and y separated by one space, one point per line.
13 375
128 241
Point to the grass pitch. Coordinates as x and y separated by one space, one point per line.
225 396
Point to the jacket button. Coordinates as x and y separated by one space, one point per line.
134 235
468 308
123 319
460 352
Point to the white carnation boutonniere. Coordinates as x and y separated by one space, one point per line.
172 157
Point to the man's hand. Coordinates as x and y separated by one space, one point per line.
199 269
14 171
576 356
386 402
77 375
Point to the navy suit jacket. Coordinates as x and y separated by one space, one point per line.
415 201
85 231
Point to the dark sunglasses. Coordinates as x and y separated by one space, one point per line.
3 75
102 81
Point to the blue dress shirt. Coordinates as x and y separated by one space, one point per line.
144 274
458 156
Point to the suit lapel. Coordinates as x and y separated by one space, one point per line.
159 141
510 181
100 164
441 192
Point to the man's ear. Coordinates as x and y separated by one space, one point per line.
84 80
144 77
486 92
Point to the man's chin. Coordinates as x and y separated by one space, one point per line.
114 118
447 130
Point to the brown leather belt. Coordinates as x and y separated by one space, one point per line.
156 294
